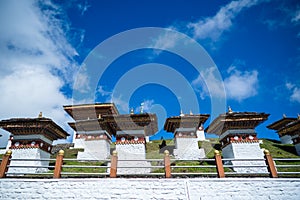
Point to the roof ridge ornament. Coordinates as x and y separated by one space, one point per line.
229 110
181 113
131 111
142 108
40 115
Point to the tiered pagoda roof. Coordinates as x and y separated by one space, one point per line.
105 116
286 126
185 121
113 123
30 126
90 111
236 120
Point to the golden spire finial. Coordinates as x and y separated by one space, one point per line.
181 113
229 110
131 111
40 115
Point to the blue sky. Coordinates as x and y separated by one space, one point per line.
254 45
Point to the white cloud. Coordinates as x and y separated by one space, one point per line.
295 92
146 105
102 91
122 105
36 60
296 17
213 27
241 85
207 84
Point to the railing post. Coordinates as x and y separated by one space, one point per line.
58 164
167 163
114 165
219 164
270 163
4 164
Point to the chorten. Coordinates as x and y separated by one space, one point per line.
91 130
132 131
279 125
288 129
32 139
187 130
239 139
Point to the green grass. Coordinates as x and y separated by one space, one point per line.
72 154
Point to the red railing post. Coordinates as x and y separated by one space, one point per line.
58 164
167 163
270 163
114 164
219 164
4 164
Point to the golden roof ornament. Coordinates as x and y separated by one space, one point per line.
131 111
142 108
40 115
181 113
229 110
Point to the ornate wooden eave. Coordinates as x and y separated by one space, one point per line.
90 111
281 123
26 126
114 123
185 121
143 121
236 120
293 128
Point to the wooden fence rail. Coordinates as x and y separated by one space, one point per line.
219 167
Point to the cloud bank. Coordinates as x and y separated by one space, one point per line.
36 60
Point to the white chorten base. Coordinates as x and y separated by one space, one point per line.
286 139
132 152
93 149
33 153
200 135
188 149
297 147
245 151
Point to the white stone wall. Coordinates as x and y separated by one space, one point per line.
245 151
33 153
286 139
188 149
93 149
120 188
132 152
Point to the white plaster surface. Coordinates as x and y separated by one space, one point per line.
245 151
188 149
152 188
33 153
93 149
132 152
286 139
200 135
